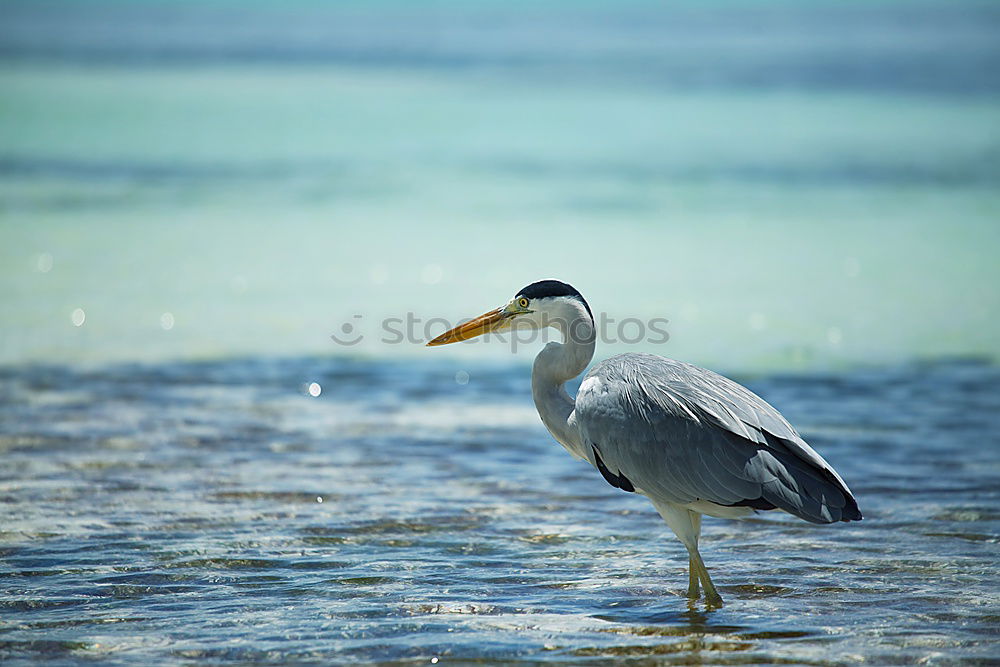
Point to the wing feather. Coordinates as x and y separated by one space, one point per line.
683 434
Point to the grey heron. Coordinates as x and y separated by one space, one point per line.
690 440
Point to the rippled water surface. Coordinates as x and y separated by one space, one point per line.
216 513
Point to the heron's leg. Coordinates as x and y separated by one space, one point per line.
693 574
693 591
712 596
687 527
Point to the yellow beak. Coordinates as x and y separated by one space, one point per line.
485 323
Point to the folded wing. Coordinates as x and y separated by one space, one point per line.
681 434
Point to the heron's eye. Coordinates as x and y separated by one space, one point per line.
522 302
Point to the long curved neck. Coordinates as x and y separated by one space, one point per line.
554 366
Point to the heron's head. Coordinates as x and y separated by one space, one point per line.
547 303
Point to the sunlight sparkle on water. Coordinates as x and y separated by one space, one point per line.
431 274
379 274
757 321
43 262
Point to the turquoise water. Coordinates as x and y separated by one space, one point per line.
790 187
211 211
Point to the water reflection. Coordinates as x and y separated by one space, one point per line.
696 635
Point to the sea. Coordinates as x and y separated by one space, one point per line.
227 229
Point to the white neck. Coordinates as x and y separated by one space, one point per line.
559 362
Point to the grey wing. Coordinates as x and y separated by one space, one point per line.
682 434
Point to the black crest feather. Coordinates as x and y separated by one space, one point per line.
552 288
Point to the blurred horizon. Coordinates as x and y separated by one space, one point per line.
792 187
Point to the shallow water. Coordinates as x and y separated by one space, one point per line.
216 513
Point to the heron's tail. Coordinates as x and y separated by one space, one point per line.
808 491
